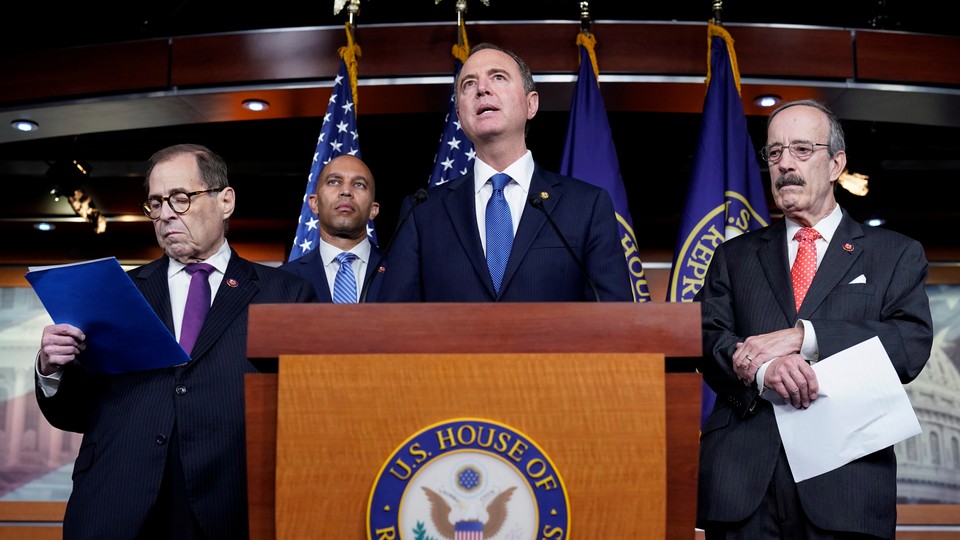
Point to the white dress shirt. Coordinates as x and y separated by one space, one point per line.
520 172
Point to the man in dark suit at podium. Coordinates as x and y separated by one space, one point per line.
163 452
345 257
487 236
774 302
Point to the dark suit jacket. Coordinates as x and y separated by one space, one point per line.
310 266
437 255
748 291
127 420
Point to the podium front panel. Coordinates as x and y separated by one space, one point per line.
599 417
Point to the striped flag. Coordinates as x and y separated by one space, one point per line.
455 153
726 196
338 135
590 155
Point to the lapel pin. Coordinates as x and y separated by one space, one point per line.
544 195
848 247
232 282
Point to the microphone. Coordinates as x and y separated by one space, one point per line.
419 197
536 201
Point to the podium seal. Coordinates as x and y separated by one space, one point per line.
468 479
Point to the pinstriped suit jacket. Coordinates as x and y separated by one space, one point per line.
747 291
127 419
437 255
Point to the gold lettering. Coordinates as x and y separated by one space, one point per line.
539 470
548 483
517 451
443 440
418 453
690 287
471 434
488 442
386 534
503 441
406 469
552 532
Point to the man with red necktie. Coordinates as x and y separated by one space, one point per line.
778 299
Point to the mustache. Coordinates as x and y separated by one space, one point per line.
790 180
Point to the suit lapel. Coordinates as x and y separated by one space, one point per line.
845 247
153 284
240 284
461 208
772 254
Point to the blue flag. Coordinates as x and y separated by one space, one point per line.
338 135
726 196
590 155
455 153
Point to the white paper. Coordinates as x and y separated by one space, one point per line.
862 407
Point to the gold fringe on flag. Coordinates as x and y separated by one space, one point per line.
462 49
589 42
350 54
717 30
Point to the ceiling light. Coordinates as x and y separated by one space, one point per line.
876 222
24 125
44 226
855 183
255 105
767 100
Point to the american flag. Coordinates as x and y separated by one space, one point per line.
455 154
337 136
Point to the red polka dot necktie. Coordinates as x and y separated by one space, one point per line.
805 265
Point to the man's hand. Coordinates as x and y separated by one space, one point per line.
60 345
758 350
793 378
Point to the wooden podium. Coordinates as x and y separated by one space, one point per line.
586 381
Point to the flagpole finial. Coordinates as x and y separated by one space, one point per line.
585 16
717 8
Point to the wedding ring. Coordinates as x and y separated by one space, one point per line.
749 358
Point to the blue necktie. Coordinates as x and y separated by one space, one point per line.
345 283
499 230
197 306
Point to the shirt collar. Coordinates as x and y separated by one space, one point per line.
521 171
826 226
328 252
219 260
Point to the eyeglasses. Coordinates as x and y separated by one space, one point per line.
179 202
800 150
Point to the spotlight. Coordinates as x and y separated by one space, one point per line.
256 105
767 100
83 205
44 226
24 125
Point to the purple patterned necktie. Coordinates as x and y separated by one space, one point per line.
198 304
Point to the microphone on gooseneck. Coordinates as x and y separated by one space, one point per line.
536 201
418 197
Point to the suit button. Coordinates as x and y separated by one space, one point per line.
161 440
181 390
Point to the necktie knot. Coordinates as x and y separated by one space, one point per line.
346 258
807 234
500 181
204 268
345 282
